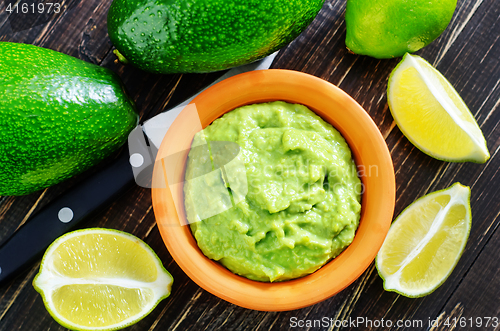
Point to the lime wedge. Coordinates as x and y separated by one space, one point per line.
425 242
431 114
101 279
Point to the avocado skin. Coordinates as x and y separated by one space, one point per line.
58 117
184 36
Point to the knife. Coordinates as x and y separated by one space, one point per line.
28 243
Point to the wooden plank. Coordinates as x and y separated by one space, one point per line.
474 304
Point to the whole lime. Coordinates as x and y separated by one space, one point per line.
390 28
166 36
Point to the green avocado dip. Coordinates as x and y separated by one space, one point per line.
287 202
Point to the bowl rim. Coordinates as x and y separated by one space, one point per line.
368 148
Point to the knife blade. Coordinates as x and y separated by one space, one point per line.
28 243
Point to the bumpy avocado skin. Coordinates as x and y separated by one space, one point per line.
181 36
58 116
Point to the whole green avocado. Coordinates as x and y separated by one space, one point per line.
59 116
183 36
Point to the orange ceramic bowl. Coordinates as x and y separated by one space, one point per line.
370 154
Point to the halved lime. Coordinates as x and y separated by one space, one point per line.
425 242
431 114
101 279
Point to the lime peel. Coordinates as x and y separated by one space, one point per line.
402 230
50 280
444 99
388 28
411 117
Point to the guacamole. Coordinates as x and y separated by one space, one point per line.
271 191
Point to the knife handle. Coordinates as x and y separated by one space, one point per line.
28 243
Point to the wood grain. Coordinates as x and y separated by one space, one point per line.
466 53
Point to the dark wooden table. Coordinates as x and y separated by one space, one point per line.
467 54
